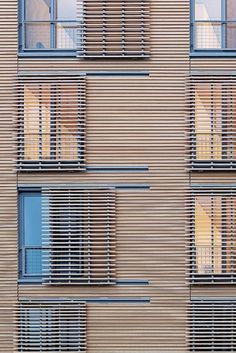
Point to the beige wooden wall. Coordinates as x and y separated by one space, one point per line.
131 121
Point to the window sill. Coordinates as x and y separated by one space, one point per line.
212 54
54 54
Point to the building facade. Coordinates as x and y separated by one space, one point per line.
117 176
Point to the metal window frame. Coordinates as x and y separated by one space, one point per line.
223 51
52 51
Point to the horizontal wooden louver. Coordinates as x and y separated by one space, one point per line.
51 123
47 326
212 231
212 326
212 106
115 28
78 236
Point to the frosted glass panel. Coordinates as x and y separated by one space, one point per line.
66 9
37 10
37 36
208 36
231 10
231 36
67 35
208 10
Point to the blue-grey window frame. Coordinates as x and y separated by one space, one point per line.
209 52
22 51
23 277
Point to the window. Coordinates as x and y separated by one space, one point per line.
67 236
213 234
212 326
50 25
212 119
51 326
51 121
86 28
214 25
30 246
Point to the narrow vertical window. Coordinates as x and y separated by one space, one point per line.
30 222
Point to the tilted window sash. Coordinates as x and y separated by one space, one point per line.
212 325
115 28
78 236
212 123
51 326
51 123
213 236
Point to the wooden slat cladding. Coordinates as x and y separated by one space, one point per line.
212 236
51 123
212 104
212 325
8 180
47 326
78 236
115 28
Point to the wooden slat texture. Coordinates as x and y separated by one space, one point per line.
78 236
51 123
130 121
8 180
115 28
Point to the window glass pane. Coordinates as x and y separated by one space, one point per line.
231 10
32 226
37 36
208 10
207 36
66 9
37 10
231 36
67 35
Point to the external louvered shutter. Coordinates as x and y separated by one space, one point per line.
78 236
47 326
115 28
212 326
213 236
212 105
51 123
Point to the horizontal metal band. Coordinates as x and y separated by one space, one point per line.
88 299
138 186
111 169
72 73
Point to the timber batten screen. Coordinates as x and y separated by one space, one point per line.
78 236
213 236
51 123
212 111
51 326
212 325
115 28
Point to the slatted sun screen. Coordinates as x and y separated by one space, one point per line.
212 110
51 123
212 325
47 326
115 28
78 236
213 236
